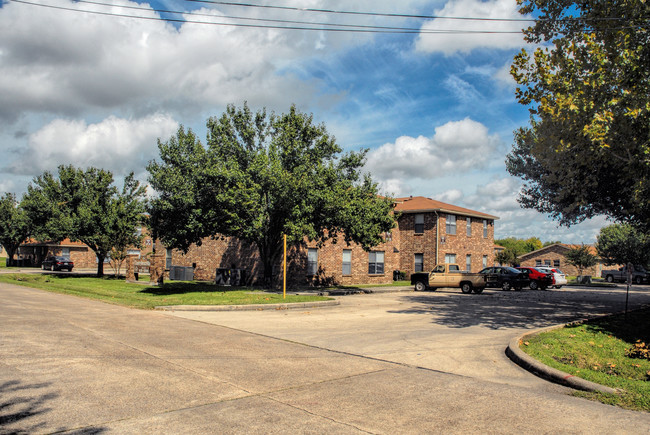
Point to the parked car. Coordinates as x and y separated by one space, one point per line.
505 277
539 280
57 263
639 275
559 278
448 275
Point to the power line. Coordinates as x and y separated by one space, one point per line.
328 27
395 15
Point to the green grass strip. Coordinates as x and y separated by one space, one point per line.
598 351
119 292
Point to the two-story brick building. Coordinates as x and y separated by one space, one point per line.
427 232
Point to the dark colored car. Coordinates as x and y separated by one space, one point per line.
57 263
505 278
539 280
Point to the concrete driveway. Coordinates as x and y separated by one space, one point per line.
372 365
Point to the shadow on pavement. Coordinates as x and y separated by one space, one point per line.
21 405
527 309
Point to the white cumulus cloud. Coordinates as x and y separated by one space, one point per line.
456 146
119 145
449 43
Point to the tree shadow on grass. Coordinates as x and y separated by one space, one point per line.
502 310
178 288
630 328
22 404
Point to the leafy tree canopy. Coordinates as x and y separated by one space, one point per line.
622 244
581 257
520 246
508 256
259 177
587 149
14 225
84 205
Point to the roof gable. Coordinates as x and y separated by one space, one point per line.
415 204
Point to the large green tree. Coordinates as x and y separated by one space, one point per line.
622 244
84 205
586 151
14 225
259 177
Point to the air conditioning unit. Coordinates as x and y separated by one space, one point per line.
181 273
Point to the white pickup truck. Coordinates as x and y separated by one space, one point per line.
449 275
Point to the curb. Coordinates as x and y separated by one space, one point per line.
521 358
251 307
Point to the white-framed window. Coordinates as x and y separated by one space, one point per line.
468 262
65 252
133 252
312 261
469 226
347 262
451 224
556 264
485 260
485 228
376 262
450 258
418 260
547 262
419 223
538 263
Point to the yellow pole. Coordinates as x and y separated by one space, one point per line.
284 284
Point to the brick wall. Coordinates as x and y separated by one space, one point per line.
555 254
460 243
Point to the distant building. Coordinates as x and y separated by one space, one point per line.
555 256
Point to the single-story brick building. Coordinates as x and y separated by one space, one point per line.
428 232
555 256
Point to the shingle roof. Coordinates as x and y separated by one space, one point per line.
566 246
417 204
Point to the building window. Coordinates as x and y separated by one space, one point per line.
168 259
133 252
312 261
485 228
468 262
376 262
538 263
347 262
485 261
556 264
419 223
419 262
450 258
547 262
65 252
469 227
451 224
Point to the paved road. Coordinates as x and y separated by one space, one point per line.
74 365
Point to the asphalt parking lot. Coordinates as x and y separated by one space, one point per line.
383 363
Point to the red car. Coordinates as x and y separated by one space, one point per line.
539 280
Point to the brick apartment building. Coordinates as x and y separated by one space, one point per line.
32 252
427 232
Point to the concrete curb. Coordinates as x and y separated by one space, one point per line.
252 307
521 358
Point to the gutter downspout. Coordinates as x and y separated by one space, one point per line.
437 234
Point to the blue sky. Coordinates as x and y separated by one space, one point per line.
436 111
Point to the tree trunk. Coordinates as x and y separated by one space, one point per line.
100 266
11 251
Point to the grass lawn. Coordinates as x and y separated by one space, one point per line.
598 351
119 292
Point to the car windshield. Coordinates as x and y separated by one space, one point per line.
511 270
60 259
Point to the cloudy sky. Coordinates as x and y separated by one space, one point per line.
85 83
